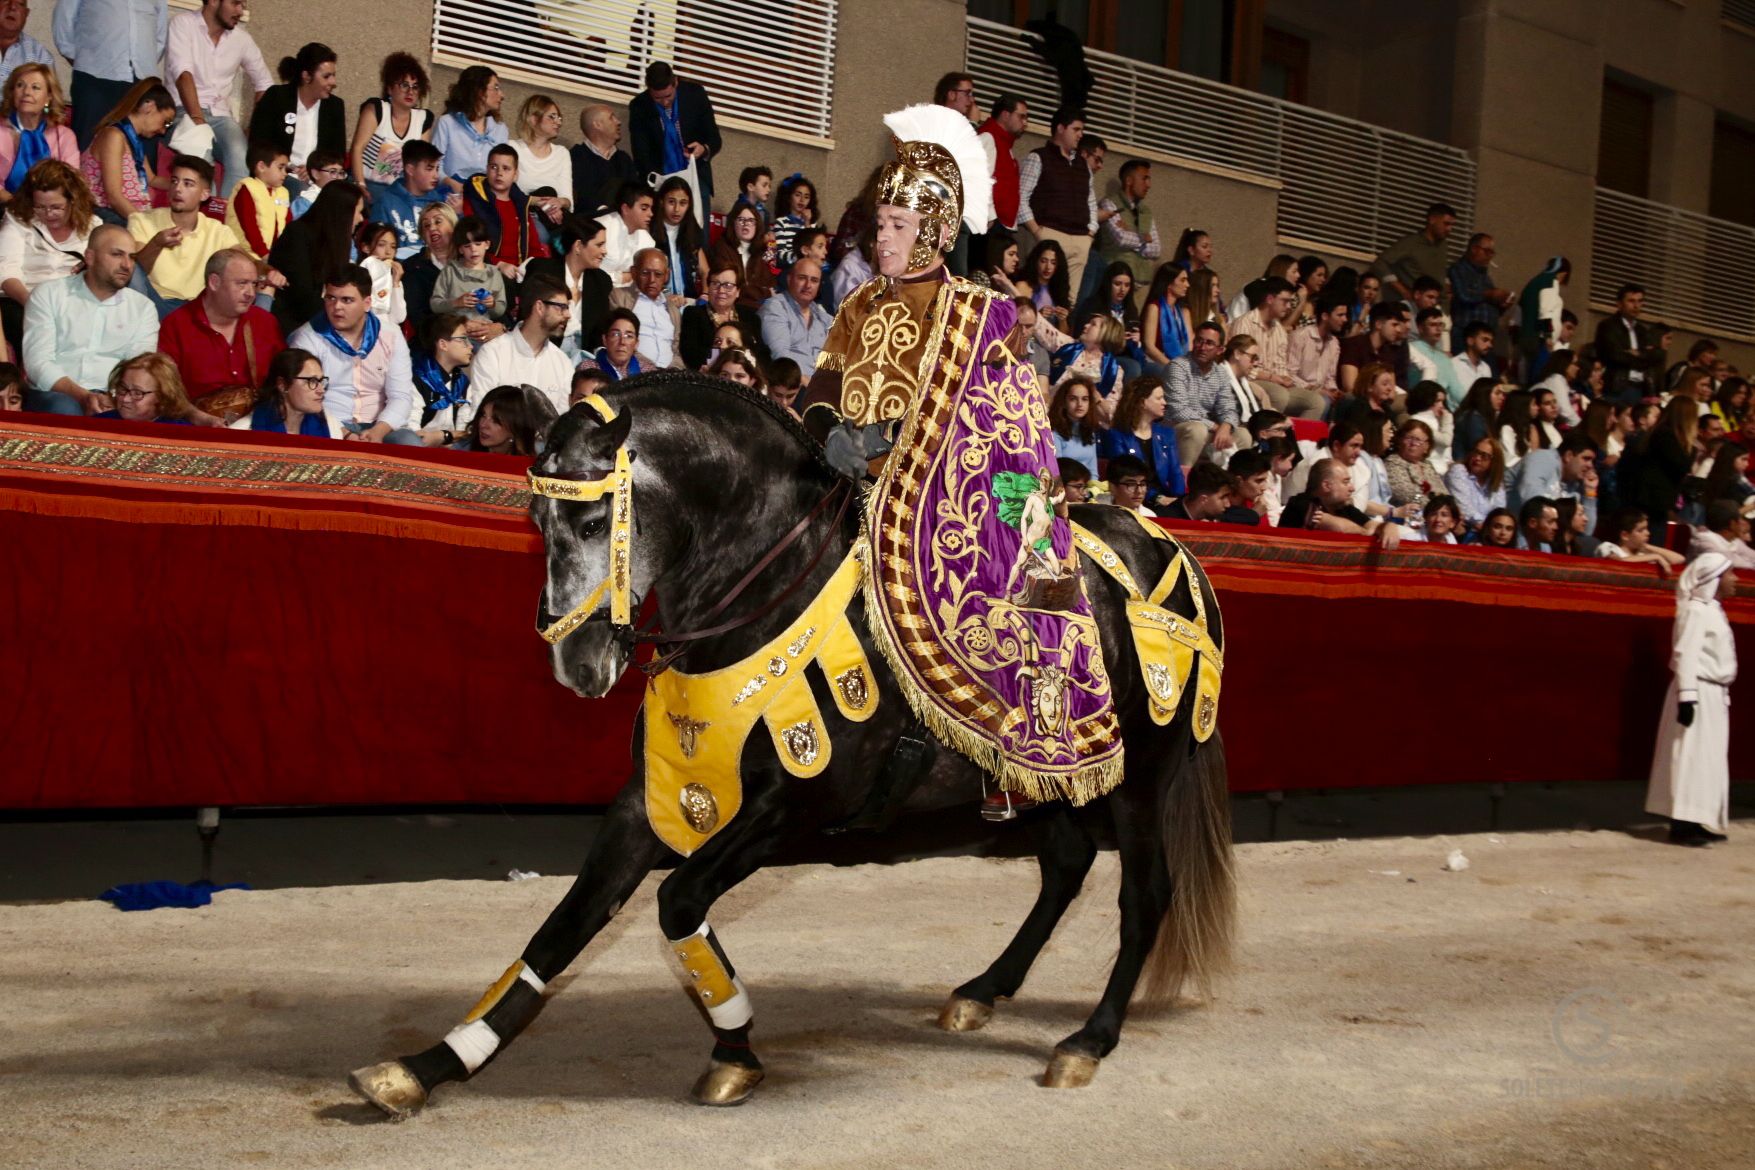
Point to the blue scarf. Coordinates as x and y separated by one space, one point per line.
1069 353
368 340
33 148
1172 333
604 364
670 121
430 378
267 418
136 147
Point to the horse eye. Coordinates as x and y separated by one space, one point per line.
592 527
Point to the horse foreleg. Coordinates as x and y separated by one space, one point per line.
1145 892
733 1070
1064 852
623 853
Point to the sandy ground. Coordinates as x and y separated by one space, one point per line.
1570 999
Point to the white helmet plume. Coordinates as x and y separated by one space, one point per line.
945 127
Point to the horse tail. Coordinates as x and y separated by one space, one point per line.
1193 947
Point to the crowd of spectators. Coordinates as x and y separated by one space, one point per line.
387 285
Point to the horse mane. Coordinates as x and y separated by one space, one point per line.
747 396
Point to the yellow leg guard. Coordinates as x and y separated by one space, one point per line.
714 983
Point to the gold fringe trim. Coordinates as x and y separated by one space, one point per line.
1079 787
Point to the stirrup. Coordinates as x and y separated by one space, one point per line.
1005 806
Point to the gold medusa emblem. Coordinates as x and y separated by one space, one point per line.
855 691
1204 715
688 733
801 742
699 808
1161 683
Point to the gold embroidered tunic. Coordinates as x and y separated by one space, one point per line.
875 346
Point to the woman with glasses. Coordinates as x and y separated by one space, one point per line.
700 322
743 247
387 122
291 402
1412 476
545 169
116 166
42 238
302 113
148 389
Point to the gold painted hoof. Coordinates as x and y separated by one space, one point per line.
964 1015
726 1084
1069 1070
391 1087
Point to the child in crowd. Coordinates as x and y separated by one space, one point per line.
399 204
587 380
11 387
798 209
504 209
259 207
376 243
1075 477
739 365
1498 530
469 285
677 234
755 184
1632 543
322 167
784 381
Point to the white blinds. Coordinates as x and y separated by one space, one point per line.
767 64
1695 269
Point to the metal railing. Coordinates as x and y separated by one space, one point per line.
1694 268
1345 184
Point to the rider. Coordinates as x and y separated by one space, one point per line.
1006 671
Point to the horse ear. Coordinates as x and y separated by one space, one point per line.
611 435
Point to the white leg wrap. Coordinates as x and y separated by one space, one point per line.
473 1043
734 1012
530 977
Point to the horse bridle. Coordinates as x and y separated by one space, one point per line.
618 485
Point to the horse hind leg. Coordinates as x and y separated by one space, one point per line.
623 853
1064 852
733 1069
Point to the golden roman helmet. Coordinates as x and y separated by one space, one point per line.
940 171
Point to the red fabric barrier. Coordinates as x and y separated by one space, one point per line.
234 620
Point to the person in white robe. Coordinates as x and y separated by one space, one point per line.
1690 771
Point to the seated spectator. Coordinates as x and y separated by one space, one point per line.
1328 506
741 366
1378 435
793 324
470 126
530 354
146 388
785 380
1094 357
578 265
1429 356
1138 431
1264 425
1207 497
1440 522
1114 297
313 247
1412 476
1477 482
1202 408
619 355
1573 537
1252 484
1281 267
1194 251
375 244
1725 531
812 243
677 233
117 166
302 113
1283 457
1075 479
400 204
1385 343
1239 363
1205 298
322 168
1518 432
1428 402
545 169
700 323
1269 304
1314 351
387 124
420 273
1471 363
1497 530
660 314
1044 280
43 236
754 186
11 388
78 327
1069 416
31 131
370 396
221 340
440 367
1312 279
587 380
1477 417
1731 402
1369 400
1728 479
1566 472
471 285
1538 524
1166 330
205 54
741 247
600 167
291 399
503 424
1130 482
797 205
259 207
1630 530
1557 375
176 241
498 202
627 234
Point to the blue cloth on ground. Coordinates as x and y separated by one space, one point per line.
154 895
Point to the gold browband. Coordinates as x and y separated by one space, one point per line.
619 486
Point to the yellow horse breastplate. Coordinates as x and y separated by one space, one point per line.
696 724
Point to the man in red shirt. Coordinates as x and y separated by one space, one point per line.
221 339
